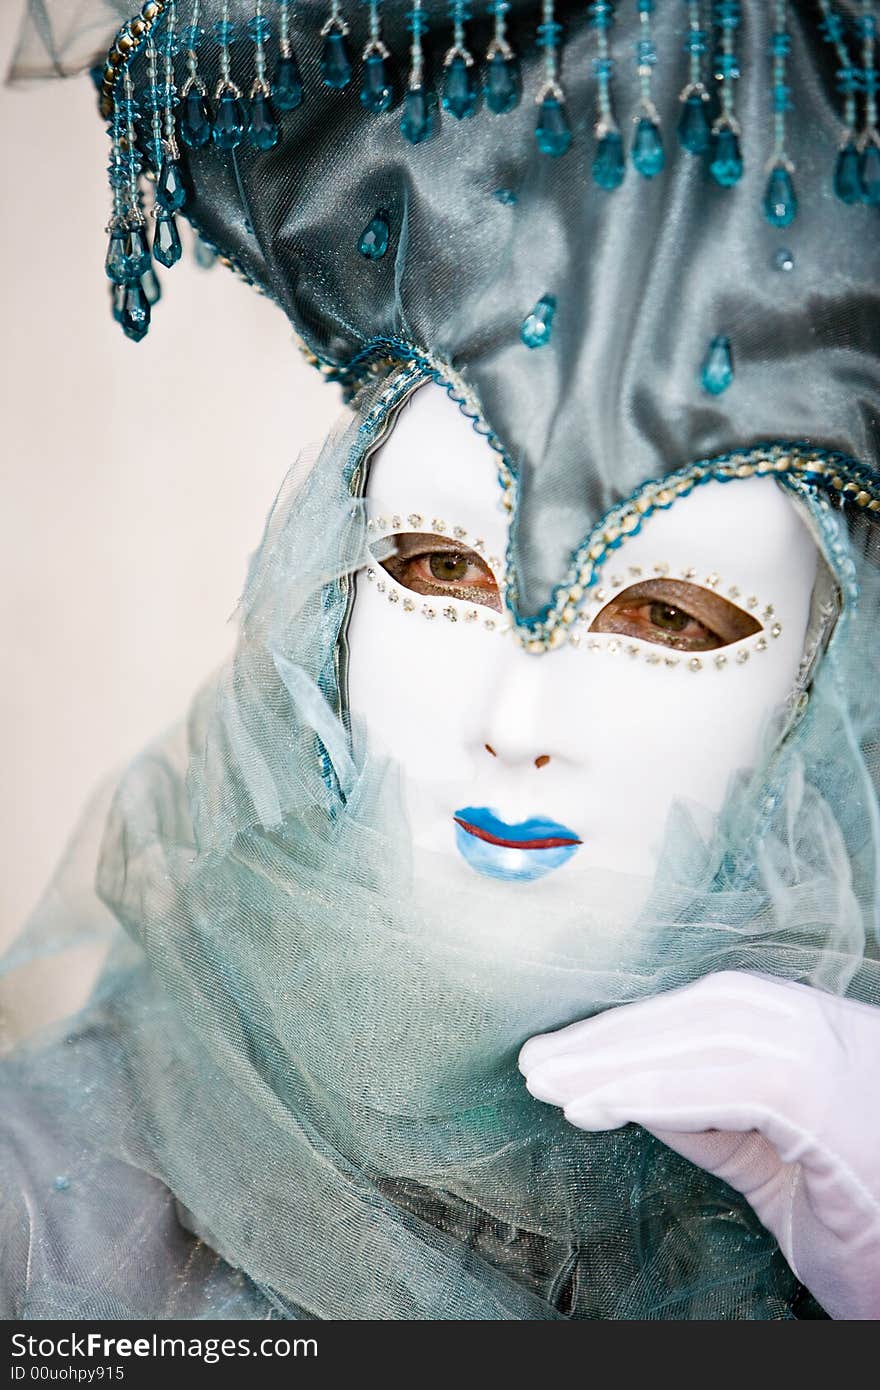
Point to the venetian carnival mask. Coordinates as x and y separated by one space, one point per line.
651 287
518 764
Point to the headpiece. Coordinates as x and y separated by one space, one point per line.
599 224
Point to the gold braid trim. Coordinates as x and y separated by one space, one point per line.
126 43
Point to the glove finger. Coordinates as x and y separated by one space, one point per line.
760 1003
560 1079
688 1103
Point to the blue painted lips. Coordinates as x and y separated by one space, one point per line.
519 853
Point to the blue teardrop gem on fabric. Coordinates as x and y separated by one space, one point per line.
230 122
377 93
726 167
783 260
552 132
151 287
502 84
535 330
869 174
417 121
128 256
195 120
335 64
135 312
262 129
717 371
847 184
780 199
647 149
374 238
170 190
609 166
167 249
287 87
459 89
694 131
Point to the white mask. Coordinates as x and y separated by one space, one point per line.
578 754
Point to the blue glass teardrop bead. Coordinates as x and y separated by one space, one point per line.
535 330
195 120
552 132
647 150
694 130
335 63
137 253
717 370
167 249
459 89
377 94
170 190
608 165
262 129
780 199
374 238
135 312
417 121
847 184
151 287
726 167
502 84
869 174
230 122
115 265
128 256
287 87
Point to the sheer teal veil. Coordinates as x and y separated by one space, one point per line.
292 1089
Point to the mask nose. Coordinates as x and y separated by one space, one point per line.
515 725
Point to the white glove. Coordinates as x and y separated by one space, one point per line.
772 1086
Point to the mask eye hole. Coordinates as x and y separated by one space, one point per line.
673 613
440 567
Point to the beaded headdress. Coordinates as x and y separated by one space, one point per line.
629 236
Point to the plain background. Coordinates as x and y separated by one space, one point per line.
135 478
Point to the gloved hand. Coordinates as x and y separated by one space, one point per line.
770 1085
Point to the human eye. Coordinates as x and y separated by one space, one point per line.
440 566
673 613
